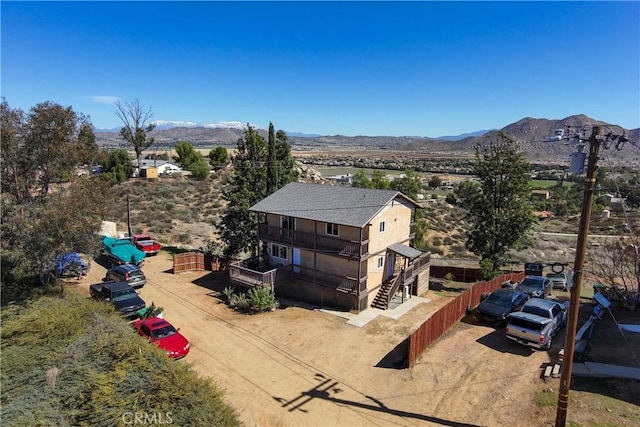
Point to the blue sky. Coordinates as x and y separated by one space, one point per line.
361 68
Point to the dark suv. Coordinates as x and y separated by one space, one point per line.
535 286
128 273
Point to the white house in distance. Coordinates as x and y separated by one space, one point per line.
164 167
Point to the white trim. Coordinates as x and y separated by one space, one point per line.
326 229
277 249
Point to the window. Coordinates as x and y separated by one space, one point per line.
332 229
382 224
287 222
380 261
278 251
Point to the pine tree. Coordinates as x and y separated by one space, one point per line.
252 180
500 211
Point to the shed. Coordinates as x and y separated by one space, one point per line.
149 172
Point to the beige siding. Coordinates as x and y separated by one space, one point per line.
374 273
344 232
273 220
397 221
330 264
305 225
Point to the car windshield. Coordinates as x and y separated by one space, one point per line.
164 332
498 299
532 283
123 294
555 276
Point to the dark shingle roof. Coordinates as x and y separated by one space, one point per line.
349 206
405 250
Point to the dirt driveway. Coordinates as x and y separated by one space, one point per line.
302 367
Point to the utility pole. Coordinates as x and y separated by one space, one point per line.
581 248
129 218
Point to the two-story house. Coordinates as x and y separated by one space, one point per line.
337 246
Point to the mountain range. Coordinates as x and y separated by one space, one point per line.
532 134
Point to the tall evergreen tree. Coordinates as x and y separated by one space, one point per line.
286 171
500 212
249 185
272 167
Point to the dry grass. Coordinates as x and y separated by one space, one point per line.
177 211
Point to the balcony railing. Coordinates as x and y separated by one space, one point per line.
247 273
416 267
333 281
303 239
249 277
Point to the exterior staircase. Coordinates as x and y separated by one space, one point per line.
385 293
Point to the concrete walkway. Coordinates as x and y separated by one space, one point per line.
365 316
602 370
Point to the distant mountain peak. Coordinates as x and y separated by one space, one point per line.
463 135
170 124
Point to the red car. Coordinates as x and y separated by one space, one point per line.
164 335
146 244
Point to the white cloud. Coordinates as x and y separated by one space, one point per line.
104 99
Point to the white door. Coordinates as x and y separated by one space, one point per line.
391 262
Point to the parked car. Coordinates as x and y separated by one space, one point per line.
558 280
122 251
121 295
164 335
535 286
146 244
128 273
537 323
495 306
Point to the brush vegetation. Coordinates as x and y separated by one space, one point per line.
74 361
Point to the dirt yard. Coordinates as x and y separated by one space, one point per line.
303 367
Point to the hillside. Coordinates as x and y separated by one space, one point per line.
530 132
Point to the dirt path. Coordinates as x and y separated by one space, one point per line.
301 367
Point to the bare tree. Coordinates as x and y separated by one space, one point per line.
617 265
135 118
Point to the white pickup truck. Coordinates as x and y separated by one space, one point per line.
537 322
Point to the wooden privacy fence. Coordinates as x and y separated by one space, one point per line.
459 274
451 313
188 261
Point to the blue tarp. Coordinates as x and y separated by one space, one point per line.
70 264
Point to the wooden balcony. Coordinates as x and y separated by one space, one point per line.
332 281
311 241
249 273
416 267
252 273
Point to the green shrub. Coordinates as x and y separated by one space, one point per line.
261 299
256 300
238 302
75 361
228 293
